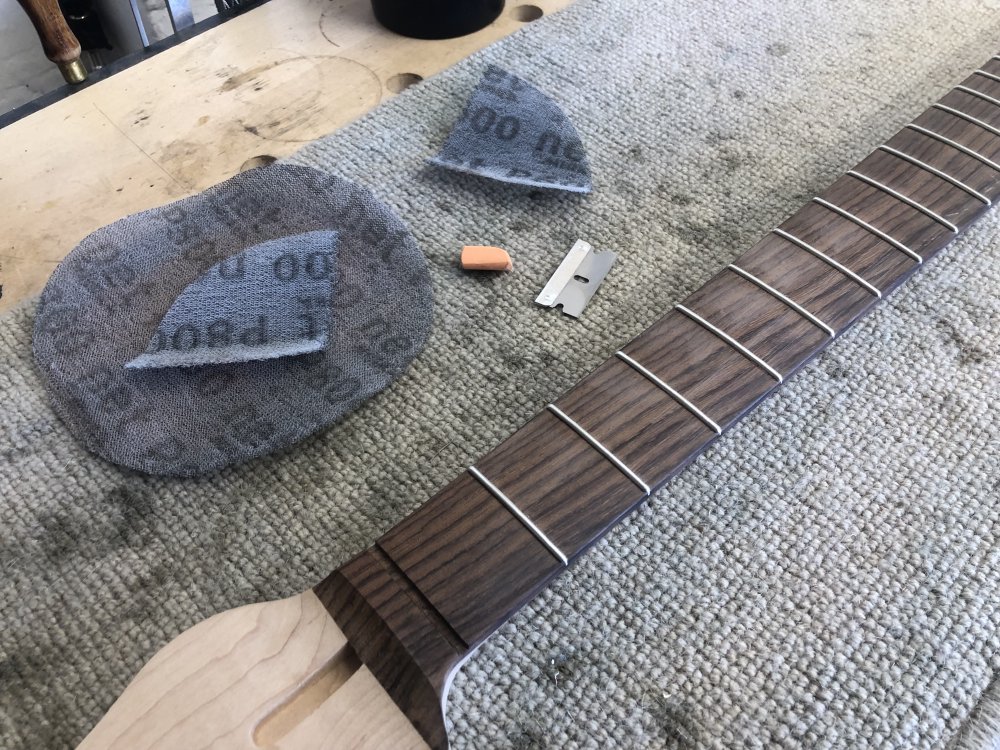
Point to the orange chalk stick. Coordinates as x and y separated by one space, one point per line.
485 258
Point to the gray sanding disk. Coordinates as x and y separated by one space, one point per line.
105 301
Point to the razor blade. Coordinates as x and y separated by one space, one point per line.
577 279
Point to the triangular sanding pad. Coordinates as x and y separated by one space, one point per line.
271 300
511 131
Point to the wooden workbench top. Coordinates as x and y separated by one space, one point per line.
259 85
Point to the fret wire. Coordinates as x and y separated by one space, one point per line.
955 145
937 172
968 118
905 199
672 391
596 444
783 298
731 341
865 225
827 259
521 516
979 95
986 74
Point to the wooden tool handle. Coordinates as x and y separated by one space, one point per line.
60 44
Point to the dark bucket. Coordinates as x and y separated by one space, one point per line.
436 19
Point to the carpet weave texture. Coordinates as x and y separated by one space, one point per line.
827 575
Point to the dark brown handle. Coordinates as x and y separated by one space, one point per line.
60 44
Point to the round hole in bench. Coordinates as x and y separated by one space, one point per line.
402 81
258 161
527 13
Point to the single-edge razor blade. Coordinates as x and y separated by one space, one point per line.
577 278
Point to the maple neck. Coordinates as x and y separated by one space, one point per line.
446 577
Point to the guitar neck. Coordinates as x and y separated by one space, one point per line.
435 586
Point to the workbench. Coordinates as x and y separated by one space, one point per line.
825 574
243 93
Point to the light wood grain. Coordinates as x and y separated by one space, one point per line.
264 83
274 675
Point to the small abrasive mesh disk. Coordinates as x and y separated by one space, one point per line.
105 302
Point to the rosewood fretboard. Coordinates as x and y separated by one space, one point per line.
442 580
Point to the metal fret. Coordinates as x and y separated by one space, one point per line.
937 172
865 225
827 259
985 74
968 118
784 298
673 392
979 95
600 447
528 523
905 199
731 341
955 145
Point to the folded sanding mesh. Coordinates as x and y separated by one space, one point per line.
511 131
271 300
107 300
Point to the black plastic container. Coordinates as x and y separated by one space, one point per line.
436 19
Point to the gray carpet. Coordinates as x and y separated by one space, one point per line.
825 576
